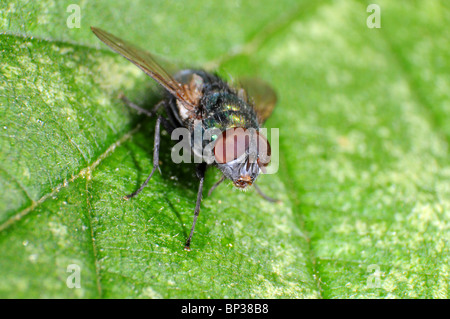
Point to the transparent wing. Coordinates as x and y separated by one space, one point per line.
146 63
261 95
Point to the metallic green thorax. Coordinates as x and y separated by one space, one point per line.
225 110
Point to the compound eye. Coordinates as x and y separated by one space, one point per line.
263 149
231 145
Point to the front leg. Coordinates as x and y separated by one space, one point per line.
260 192
139 109
201 169
155 158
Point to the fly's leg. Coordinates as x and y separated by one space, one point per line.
139 109
155 157
201 168
215 185
270 199
166 123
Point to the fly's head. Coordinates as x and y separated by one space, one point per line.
242 154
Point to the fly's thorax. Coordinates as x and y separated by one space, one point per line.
225 110
222 110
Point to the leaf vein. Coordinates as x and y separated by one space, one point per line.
83 172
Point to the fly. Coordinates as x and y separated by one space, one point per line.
196 97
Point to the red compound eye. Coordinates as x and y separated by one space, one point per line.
231 144
264 151
235 141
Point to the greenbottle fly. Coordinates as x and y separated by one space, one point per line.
196 96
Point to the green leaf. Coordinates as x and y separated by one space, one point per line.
364 174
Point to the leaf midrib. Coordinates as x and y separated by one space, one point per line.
82 173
